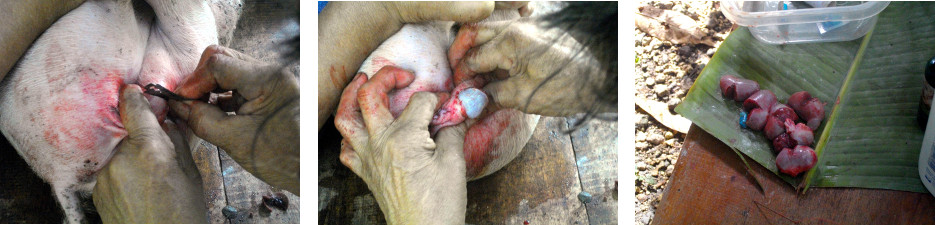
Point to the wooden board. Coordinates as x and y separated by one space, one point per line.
343 198
596 156
245 193
226 183
540 186
208 161
711 184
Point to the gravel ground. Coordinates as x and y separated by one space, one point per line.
664 73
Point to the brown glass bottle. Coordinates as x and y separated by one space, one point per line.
925 101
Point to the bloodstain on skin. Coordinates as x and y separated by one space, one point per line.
75 125
464 41
479 141
338 79
380 62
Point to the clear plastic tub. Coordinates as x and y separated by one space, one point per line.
783 22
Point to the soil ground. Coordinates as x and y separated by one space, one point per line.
664 73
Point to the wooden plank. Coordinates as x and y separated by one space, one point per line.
710 183
245 193
540 186
261 33
343 198
208 161
595 147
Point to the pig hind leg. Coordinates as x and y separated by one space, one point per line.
67 197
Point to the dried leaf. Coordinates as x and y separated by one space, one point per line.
671 26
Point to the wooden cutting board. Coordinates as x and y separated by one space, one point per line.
711 184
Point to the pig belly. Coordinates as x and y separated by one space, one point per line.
59 107
492 140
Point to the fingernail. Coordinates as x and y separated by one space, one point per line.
359 76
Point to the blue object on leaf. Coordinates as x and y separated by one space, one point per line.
743 119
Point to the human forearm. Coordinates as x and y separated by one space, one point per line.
23 22
441 205
347 32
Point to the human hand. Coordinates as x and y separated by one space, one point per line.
152 178
414 179
263 136
542 71
349 31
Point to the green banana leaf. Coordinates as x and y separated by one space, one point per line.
870 137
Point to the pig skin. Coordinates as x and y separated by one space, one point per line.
492 140
58 107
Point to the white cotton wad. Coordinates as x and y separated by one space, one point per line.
474 100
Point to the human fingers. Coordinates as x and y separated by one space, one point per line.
471 35
139 120
485 58
450 143
418 113
348 119
213 125
506 93
373 100
349 157
225 68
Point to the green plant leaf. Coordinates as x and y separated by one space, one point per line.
870 138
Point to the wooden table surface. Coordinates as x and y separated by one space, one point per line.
540 186
710 184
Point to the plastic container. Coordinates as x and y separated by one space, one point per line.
927 155
781 22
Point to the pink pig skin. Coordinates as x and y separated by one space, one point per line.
493 139
58 107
